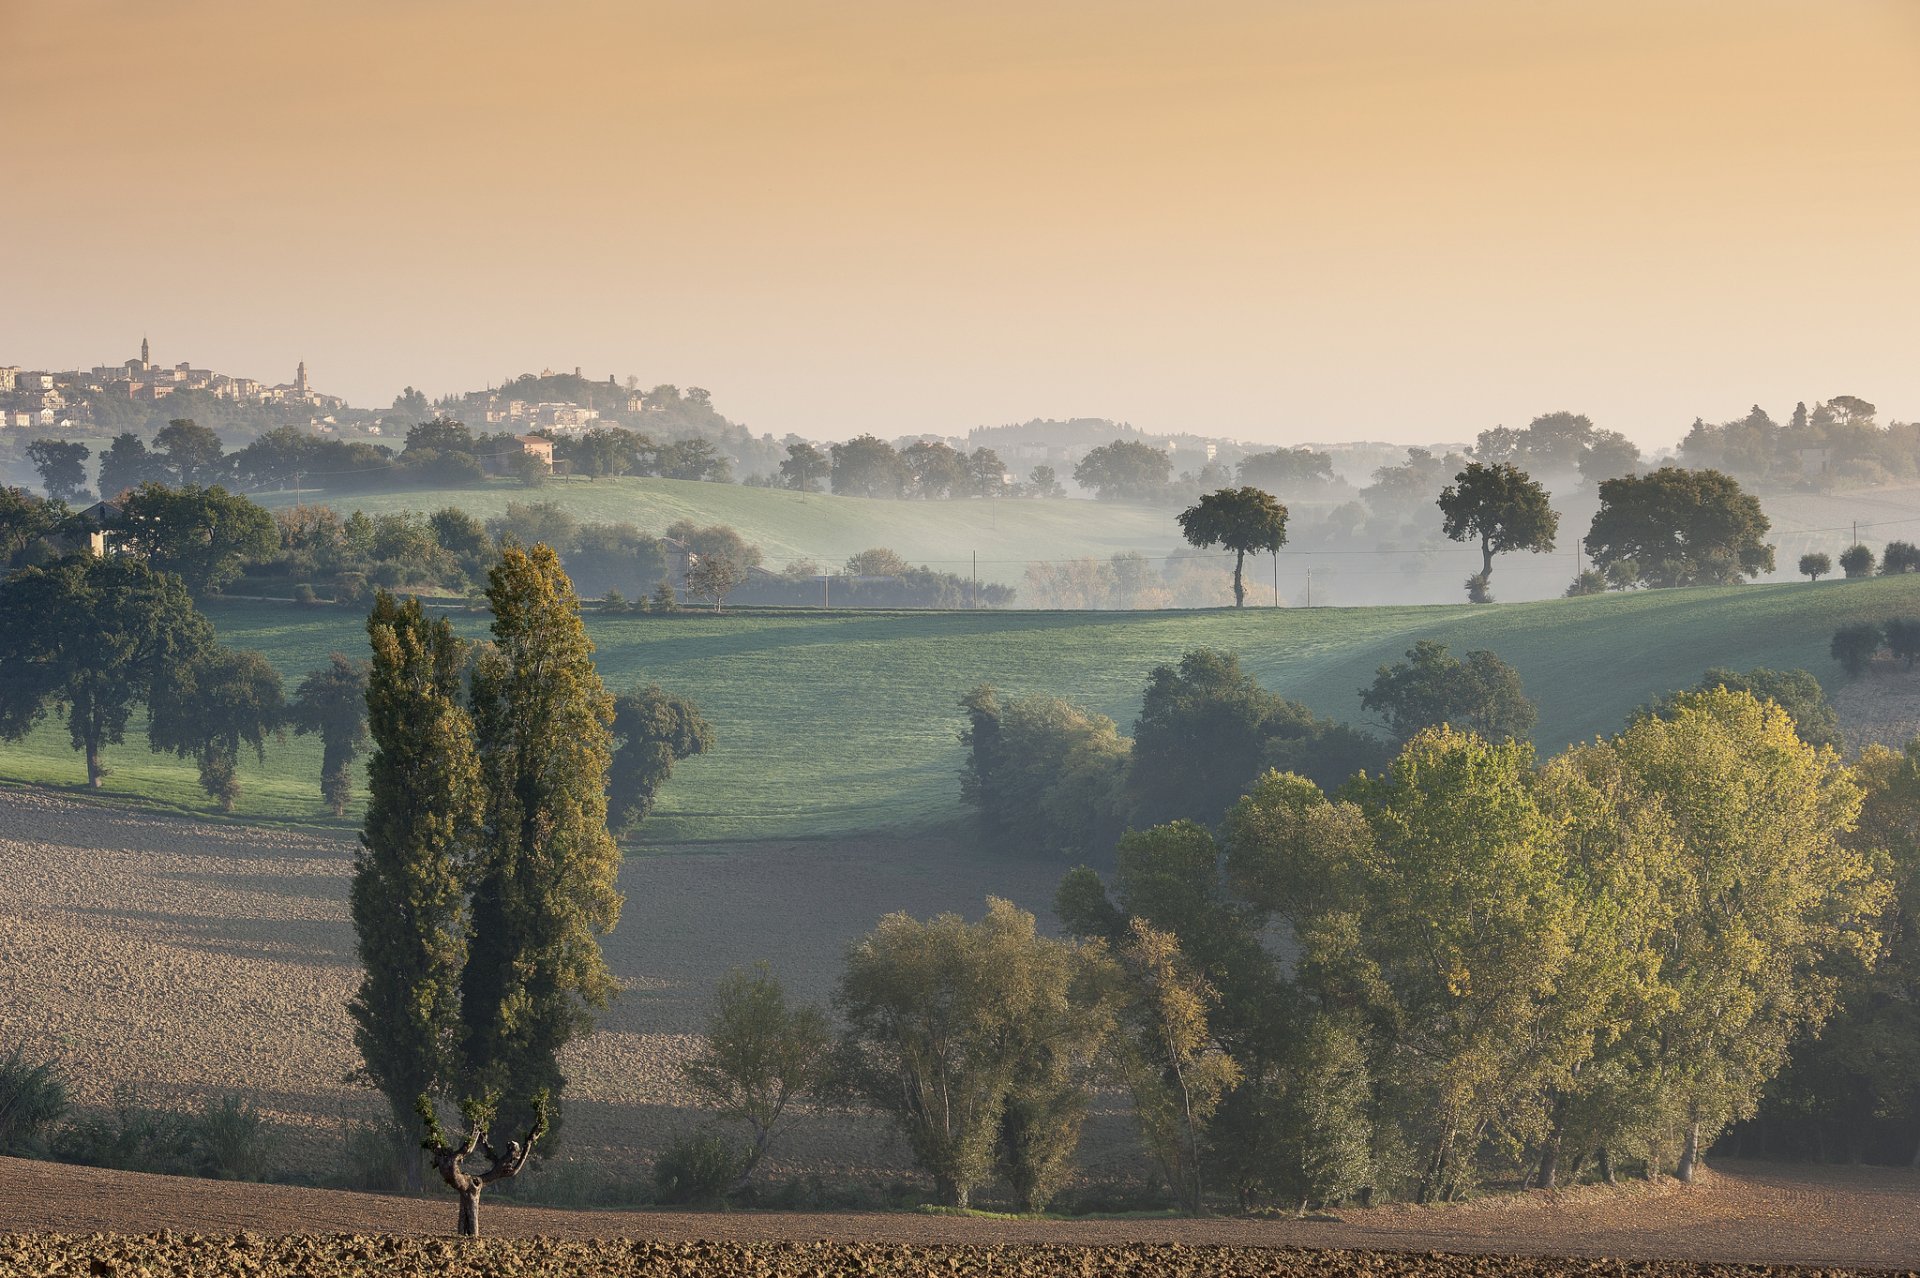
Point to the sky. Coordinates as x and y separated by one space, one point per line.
1277 220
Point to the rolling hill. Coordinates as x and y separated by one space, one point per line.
835 724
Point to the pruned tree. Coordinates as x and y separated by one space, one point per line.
1242 520
331 703
502 1164
1815 566
760 1054
1501 507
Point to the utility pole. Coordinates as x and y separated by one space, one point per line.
1276 577
1309 585
826 586
976 576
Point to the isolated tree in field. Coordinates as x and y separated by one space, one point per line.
408 895
652 731
1775 899
1854 646
1856 561
98 637
1815 566
1240 519
805 468
1175 1071
204 535
1677 527
1482 694
193 454
1125 470
211 707
986 474
933 1013
878 561
543 874
62 466
1501 507
1042 481
760 1054
714 577
502 1164
331 703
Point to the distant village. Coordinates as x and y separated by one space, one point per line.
66 399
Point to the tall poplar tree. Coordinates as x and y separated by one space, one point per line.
543 884
408 897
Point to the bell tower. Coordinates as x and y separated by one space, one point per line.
300 378
146 356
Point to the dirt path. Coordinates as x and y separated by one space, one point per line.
1745 1213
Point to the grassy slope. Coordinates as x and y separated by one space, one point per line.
789 525
841 723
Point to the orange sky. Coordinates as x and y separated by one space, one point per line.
1279 219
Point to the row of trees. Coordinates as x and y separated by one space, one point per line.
1469 966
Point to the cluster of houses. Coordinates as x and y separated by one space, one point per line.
64 399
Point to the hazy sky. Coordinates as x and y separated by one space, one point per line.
1279 219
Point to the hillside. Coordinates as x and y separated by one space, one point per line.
836 724
820 526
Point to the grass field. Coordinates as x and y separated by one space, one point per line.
819 526
836 724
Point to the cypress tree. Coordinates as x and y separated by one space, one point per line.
409 878
543 884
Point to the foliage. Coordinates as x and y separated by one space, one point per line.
700 1169
543 873
1903 638
867 467
759 1055
1240 519
876 562
1815 565
1856 561
1795 691
1854 646
62 466
97 636
24 521
1898 557
1285 470
1125 470
1677 527
805 468
1501 507
33 1096
211 706
194 454
331 703
714 577
407 898
652 731
1043 773
203 535
1482 694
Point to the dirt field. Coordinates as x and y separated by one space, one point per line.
192 958
1742 1214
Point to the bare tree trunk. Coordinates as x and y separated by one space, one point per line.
1239 586
94 771
1605 1160
1486 558
1549 1162
470 1211
1689 1154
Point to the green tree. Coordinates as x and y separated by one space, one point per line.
1678 527
543 876
408 895
1501 507
193 454
24 520
760 1054
98 637
940 1019
867 467
127 464
652 731
62 466
1042 481
205 536
1287 470
805 467
211 707
1815 566
1125 470
1482 694
1795 691
714 577
935 469
1242 520
1772 899
877 562
987 475
331 703
1854 647
1043 773
1856 561
697 459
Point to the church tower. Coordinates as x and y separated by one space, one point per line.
146 357
300 378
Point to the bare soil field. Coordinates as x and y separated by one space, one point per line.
191 958
1881 707
1831 1218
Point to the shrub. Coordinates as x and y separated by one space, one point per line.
232 1140
1815 566
1903 638
1856 561
697 1169
32 1096
130 1137
1899 557
303 594
1587 583
615 604
373 1161
1479 589
1854 645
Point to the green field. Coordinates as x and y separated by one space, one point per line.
836 724
819 526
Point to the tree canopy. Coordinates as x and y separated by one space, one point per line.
1678 527
1501 507
1240 519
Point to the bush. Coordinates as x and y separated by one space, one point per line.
374 1160
304 595
130 1137
1903 638
232 1140
32 1096
1587 583
697 1169
1899 557
1854 645
1856 561
1479 589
